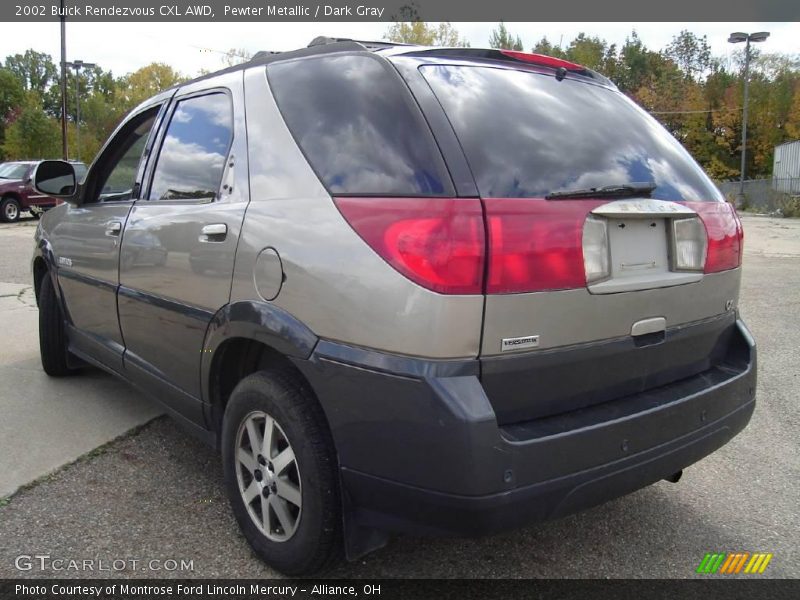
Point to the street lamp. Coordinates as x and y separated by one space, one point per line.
78 65
735 38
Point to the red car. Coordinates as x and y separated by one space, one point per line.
17 193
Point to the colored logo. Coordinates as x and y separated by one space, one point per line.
733 563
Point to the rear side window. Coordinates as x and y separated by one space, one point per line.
194 150
358 126
527 134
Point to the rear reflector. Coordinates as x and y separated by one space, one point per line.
725 235
438 243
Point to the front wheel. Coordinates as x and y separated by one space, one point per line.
281 472
52 333
9 210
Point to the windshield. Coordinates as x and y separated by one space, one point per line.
13 170
528 135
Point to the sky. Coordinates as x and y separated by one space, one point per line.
190 47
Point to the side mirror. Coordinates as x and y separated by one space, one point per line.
55 178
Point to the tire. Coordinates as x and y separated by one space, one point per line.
52 335
9 210
312 540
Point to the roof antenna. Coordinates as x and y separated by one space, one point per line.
561 72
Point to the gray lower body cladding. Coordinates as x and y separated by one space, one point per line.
421 450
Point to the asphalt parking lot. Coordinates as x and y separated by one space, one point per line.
156 493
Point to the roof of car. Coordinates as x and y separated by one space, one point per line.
329 45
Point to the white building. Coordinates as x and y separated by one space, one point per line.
786 168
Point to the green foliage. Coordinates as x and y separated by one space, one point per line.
140 85
543 46
419 32
789 206
32 134
502 39
35 70
692 54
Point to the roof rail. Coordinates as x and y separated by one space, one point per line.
264 53
369 45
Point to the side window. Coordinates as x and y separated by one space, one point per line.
118 168
80 171
193 153
358 127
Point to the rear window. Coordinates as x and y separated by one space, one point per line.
527 134
358 126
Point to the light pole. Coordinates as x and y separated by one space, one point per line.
63 83
78 65
735 38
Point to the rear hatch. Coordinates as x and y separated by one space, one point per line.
612 260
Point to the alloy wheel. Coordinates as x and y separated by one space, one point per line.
268 476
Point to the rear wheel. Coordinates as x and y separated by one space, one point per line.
280 473
9 210
52 335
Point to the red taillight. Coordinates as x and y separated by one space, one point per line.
535 244
542 59
725 235
438 243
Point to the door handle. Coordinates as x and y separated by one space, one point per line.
113 228
215 232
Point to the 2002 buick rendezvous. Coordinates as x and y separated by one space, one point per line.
405 289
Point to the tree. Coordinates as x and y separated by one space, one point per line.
636 64
236 56
146 82
543 46
592 52
12 93
692 54
35 70
424 34
11 97
502 39
32 134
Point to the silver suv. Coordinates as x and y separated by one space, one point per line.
404 289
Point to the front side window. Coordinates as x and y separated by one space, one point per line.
358 127
193 153
119 166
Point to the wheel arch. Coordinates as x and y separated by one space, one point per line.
44 264
39 273
245 337
13 196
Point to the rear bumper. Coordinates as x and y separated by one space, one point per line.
386 504
421 451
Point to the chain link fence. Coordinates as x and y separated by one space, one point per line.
778 196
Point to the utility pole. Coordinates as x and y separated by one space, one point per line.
63 19
736 38
78 65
